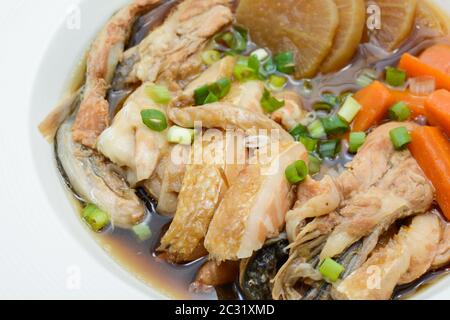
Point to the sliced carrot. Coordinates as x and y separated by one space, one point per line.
375 100
431 149
415 68
437 108
438 57
415 103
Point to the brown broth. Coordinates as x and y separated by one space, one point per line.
140 259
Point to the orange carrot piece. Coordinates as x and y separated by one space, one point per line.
415 68
431 149
437 108
438 57
415 103
375 100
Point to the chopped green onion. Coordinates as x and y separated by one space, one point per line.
395 77
296 172
269 103
260 54
343 96
335 125
299 131
399 112
331 99
309 143
95 218
277 82
154 119
142 231
366 77
253 63
234 41
314 164
213 92
331 270
350 109
158 94
269 67
180 135
285 62
322 106
400 137
210 57
329 148
357 139
242 71
316 130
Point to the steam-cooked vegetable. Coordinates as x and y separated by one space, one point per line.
329 148
375 101
395 77
334 125
431 149
416 68
437 108
316 130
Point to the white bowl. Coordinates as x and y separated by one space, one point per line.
46 251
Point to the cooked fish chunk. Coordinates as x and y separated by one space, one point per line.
292 113
422 240
254 207
405 258
96 180
203 187
314 199
185 32
246 95
378 276
225 115
217 274
102 60
219 70
372 160
403 191
130 143
443 253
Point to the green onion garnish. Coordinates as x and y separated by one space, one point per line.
158 94
366 77
322 106
242 70
254 63
269 103
357 139
350 109
335 125
285 62
395 77
213 92
331 99
210 57
329 148
154 119
399 112
314 164
269 67
299 131
142 231
277 82
180 135
260 54
316 130
296 172
331 270
309 143
400 137
234 41
95 218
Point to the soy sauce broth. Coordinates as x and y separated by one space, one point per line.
140 258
